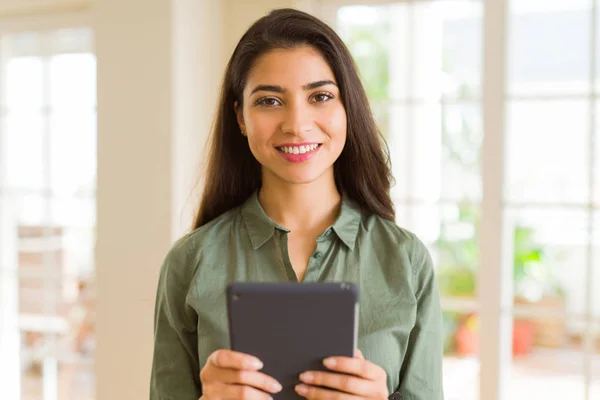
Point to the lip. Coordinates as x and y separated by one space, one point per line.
298 158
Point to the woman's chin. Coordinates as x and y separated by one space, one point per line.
297 177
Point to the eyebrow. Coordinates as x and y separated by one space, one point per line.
279 89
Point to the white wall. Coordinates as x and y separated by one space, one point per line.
15 8
134 48
239 15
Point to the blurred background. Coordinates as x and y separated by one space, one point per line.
490 111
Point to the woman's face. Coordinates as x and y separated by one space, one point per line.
293 116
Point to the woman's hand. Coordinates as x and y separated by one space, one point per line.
232 375
366 380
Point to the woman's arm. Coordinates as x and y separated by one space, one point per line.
421 373
175 368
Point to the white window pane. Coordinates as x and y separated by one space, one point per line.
548 47
448 39
24 84
37 210
55 300
74 212
462 136
596 166
549 254
547 152
24 151
73 152
367 32
450 233
39 295
29 209
434 149
544 373
595 372
461 358
72 81
414 138
595 278
416 50
456 250
381 112
43 357
422 219
393 123
597 52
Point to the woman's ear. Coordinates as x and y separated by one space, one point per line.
240 117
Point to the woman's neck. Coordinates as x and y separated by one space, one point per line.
301 207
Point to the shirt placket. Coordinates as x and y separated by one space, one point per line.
314 268
285 257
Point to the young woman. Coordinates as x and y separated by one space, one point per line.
297 189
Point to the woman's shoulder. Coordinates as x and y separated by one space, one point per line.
393 237
215 229
186 251
376 225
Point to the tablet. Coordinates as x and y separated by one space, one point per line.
292 327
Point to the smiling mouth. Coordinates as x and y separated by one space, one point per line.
299 149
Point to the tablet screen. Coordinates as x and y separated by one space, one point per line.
292 327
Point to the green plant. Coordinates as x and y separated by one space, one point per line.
459 258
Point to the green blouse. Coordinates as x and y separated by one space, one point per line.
400 321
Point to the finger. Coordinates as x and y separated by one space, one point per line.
344 383
355 366
312 392
358 354
235 392
236 360
255 379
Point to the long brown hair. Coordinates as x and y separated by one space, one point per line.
362 171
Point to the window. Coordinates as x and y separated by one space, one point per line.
422 64
47 213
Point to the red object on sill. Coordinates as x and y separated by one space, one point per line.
467 339
523 336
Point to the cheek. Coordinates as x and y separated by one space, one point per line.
259 138
337 126
257 143
260 127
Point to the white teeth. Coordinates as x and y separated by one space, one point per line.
298 149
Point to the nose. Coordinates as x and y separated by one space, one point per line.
298 119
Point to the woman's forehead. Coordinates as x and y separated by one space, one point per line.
290 68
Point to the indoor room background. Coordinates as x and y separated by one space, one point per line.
490 110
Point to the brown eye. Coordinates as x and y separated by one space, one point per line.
268 102
322 97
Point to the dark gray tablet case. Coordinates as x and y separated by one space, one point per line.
292 327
